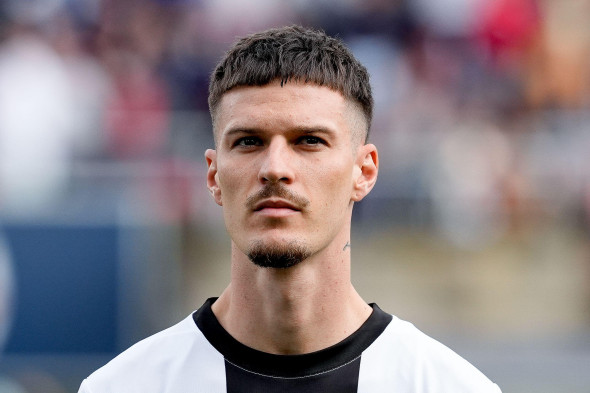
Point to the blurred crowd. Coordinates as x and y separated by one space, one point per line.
481 116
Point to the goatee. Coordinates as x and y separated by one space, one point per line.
277 256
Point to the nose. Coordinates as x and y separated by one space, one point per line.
277 163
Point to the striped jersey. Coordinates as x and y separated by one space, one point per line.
198 355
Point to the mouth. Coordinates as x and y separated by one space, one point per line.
275 205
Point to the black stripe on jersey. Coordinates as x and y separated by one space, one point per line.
340 380
339 358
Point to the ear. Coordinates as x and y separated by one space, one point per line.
212 179
365 172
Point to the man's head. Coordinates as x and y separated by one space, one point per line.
294 54
290 157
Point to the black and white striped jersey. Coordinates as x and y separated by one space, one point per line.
197 355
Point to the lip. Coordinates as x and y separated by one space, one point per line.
275 205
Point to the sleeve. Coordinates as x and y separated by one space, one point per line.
84 388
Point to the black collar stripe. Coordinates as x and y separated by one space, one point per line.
290 366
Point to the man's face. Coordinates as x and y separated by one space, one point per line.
287 170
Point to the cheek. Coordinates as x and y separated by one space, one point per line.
229 191
330 201
231 180
334 186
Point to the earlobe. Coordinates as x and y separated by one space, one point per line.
367 168
212 179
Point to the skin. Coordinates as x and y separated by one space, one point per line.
305 139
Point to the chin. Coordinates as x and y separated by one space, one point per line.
278 255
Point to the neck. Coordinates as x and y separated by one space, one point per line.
301 309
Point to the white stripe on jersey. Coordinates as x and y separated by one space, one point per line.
405 360
176 360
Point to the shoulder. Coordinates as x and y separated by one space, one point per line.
151 361
424 362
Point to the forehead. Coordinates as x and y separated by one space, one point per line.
293 104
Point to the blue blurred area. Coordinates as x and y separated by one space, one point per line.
67 289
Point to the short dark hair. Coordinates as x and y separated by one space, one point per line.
292 53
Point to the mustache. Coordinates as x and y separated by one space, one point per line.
279 191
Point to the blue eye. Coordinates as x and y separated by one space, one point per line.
311 140
248 141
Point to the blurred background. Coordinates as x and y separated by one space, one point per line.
477 231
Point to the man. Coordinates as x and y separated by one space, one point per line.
291 110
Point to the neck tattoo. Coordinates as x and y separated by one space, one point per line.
347 245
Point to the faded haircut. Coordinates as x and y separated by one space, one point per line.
293 53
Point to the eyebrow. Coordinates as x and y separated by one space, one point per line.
240 130
315 129
298 129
